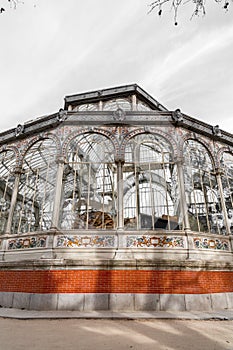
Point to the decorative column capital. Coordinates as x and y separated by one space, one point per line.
18 170
60 159
219 171
179 160
119 159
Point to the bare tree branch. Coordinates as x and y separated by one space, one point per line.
199 6
13 4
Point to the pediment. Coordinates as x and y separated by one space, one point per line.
127 98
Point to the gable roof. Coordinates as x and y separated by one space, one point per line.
156 113
115 92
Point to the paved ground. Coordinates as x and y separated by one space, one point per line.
54 330
108 334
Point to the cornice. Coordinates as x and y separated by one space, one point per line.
108 118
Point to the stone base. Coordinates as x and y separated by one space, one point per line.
117 285
117 302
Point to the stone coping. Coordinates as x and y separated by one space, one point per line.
222 315
108 264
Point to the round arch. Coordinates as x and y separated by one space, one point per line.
220 154
91 130
41 137
208 147
151 131
15 150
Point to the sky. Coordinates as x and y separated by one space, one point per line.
53 48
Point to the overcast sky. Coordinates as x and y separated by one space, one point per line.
53 48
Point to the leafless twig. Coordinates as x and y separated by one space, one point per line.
199 6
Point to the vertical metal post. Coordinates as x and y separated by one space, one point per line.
58 193
120 194
13 201
137 188
184 207
134 103
222 200
100 106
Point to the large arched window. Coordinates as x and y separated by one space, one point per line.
202 192
7 179
34 206
89 184
227 183
151 195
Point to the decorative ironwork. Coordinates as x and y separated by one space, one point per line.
19 130
177 116
217 131
119 115
62 115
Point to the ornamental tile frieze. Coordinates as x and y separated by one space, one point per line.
213 244
75 241
26 243
147 241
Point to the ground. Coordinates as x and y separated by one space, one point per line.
85 334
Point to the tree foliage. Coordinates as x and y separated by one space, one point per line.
198 6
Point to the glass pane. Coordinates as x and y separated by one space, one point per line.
151 194
7 180
113 105
202 193
89 185
227 183
34 207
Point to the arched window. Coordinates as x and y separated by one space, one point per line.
202 192
227 184
7 179
151 195
34 206
89 184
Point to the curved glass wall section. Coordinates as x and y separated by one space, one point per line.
89 184
7 179
151 194
34 206
227 184
143 107
202 192
113 105
86 107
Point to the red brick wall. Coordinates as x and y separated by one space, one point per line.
116 281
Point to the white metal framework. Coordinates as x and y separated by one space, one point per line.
35 198
119 175
151 195
7 179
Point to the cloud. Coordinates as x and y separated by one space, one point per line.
60 48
